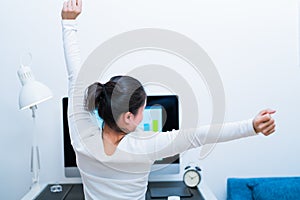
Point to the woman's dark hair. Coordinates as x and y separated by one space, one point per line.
119 95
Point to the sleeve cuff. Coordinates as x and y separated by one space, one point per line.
69 24
250 127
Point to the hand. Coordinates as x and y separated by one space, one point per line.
71 9
264 123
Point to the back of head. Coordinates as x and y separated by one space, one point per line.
119 95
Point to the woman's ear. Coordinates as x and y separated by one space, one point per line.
127 117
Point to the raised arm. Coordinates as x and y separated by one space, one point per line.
71 10
81 125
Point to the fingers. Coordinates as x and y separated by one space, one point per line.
267 127
268 130
267 111
65 5
64 9
70 4
79 3
266 124
263 118
73 4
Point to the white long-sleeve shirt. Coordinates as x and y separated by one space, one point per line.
124 175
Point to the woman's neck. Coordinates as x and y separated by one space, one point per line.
111 139
112 136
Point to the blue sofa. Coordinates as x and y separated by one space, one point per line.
268 188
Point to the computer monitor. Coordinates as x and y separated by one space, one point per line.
161 114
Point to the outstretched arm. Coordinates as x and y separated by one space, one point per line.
160 145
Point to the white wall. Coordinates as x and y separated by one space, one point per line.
254 45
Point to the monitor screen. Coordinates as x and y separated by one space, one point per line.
161 114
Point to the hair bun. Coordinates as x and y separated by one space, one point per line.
93 96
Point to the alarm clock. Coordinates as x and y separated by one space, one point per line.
192 176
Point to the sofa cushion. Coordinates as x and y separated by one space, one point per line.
237 189
284 189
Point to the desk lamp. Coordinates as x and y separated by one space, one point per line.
31 94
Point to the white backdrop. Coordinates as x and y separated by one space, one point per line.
254 45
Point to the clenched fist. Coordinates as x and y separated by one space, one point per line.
264 123
71 9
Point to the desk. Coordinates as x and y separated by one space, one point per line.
36 191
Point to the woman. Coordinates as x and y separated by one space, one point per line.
115 161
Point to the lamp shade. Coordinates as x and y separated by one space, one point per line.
32 92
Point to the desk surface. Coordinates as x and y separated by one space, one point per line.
37 189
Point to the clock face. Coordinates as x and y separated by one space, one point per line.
191 178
